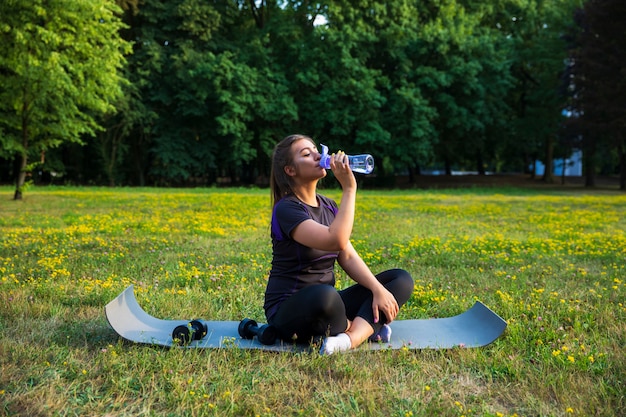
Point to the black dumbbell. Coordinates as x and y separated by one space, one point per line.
266 334
185 333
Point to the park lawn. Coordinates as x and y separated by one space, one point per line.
551 262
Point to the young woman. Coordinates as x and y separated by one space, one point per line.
309 233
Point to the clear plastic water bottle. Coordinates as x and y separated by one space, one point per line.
363 164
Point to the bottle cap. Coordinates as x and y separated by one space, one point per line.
325 160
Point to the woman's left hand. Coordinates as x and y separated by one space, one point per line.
341 168
384 302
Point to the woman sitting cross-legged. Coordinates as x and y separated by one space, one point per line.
309 234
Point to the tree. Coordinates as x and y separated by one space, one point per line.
466 75
537 30
598 60
206 71
355 84
60 68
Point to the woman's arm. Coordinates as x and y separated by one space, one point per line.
356 268
335 237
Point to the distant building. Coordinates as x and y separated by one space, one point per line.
573 166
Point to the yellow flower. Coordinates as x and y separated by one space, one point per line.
569 410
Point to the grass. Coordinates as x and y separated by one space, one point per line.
551 262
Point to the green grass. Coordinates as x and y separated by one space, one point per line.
551 262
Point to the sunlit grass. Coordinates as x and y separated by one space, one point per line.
552 263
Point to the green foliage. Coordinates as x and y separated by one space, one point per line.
59 69
460 84
207 97
598 87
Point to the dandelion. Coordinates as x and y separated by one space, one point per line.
569 410
571 359
427 388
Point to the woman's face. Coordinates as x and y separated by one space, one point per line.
306 160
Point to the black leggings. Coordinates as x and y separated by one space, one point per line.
321 310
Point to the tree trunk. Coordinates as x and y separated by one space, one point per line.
549 163
20 176
532 163
112 161
448 166
480 164
589 167
622 167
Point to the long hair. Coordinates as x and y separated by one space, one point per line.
281 184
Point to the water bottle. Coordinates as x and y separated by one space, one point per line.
363 164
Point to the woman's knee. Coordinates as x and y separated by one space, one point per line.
402 285
328 300
406 279
330 314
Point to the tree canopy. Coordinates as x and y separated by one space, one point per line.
59 69
598 86
210 87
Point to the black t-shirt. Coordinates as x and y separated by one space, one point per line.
295 266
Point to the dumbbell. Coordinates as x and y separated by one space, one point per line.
266 334
185 333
